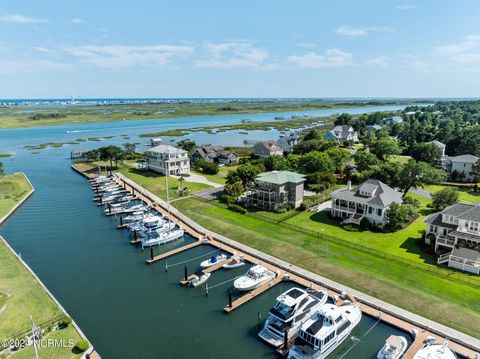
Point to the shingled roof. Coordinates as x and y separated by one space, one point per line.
280 177
381 194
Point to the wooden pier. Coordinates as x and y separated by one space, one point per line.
210 269
253 293
174 251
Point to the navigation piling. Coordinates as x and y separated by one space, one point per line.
230 299
186 273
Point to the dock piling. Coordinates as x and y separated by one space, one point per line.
151 252
230 299
121 220
259 319
109 208
166 266
186 272
285 339
206 289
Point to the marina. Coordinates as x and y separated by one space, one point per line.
131 300
280 274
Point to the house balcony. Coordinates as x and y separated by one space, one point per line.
445 241
344 208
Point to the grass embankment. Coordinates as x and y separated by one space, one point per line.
71 114
20 294
433 296
465 193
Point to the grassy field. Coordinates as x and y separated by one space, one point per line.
13 188
399 159
435 297
52 116
20 294
465 194
220 176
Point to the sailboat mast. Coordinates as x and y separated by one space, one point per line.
166 179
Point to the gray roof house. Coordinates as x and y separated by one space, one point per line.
440 145
274 189
167 159
342 134
390 120
455 233
288 141
267 148
461 165
216 154
369 200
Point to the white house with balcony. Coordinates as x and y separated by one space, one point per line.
342 134
461 165
370 200
455 233
167 159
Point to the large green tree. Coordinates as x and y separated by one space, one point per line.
276 163
111 153
444 198
385 147
316 162
365 160
417 174
426 152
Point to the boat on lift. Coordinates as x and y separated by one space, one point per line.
434 350
234 263
199 279
157 239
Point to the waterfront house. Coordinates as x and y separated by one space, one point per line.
287 142
167 159
214 154
455 235
265 149
342 134
369 200
78 154
391 120
460 167
274 189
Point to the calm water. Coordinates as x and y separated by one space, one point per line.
125 307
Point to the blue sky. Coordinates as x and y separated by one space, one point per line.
262 48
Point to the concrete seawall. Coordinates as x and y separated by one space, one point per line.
458 338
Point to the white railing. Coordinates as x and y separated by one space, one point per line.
446 241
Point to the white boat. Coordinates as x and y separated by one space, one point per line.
155 239
234 263
214 260
325 330
160 229
146 223
292 309
201 278
433 350
255 277
133 218
135 208
394 348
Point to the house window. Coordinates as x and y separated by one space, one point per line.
379 212
370 210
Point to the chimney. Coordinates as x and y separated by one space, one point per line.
349 184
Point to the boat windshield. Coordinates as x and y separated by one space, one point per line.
252 275
283 309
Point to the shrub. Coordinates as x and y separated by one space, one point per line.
237 208
444 198
281 209
82 345
364 223
208 168
66 322
411 201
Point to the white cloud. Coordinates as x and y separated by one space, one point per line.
465 52
43 49
382 61
123 56
32 66
332 58
306 44
76 20
20 19
405 7
236 54
415 62
357 31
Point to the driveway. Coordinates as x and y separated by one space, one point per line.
422 192
200 179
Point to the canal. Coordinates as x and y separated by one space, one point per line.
125 307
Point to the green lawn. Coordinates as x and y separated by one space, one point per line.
465 194
436 297
20 294
13 188
220 176
399 159
68 335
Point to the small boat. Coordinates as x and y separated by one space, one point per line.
149 222
201 278
325 330
135 208
394 348
214 260
133 218
254 278
234 263
292 309
434 350
156 239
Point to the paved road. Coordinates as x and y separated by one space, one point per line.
200 179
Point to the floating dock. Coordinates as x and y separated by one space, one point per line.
210 269
174 251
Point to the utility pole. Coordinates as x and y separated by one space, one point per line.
34 336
